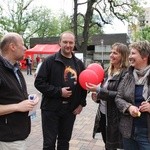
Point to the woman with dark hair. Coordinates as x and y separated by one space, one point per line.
133 99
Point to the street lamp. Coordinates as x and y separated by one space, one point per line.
102 46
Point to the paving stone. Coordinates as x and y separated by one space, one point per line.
83 127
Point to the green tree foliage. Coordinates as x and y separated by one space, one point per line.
44 22
64 22
94 28
48 24
22 17
16 16
143 34
105 11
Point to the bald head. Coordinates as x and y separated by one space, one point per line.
8 39
66 32
12 47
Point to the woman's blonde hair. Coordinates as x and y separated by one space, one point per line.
124 51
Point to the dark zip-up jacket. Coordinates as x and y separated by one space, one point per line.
49 82
113 136
14 126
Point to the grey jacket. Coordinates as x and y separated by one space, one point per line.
124 99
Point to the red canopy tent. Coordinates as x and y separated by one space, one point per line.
40 49
43 49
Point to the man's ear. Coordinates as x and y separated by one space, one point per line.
12 46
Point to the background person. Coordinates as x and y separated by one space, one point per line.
38 66
37 60
63 97
29 65
14 104
132 97
107 118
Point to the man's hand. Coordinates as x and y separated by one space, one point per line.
23 106
78 110
27 105
94 97
66 92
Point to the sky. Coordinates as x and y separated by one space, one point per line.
57 5
67 6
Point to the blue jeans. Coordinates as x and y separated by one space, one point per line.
138 140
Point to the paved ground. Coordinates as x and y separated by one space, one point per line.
82 133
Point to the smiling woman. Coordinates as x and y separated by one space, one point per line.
132 97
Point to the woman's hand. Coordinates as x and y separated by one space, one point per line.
91 87
145 107
134 111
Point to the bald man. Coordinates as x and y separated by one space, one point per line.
14 104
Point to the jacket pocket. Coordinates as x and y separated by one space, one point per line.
5 132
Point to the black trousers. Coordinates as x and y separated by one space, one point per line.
103 128
57 126
29 69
